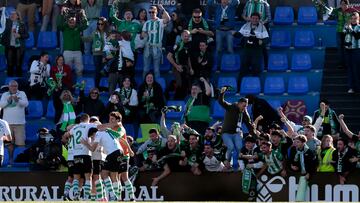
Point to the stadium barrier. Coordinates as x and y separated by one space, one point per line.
48 186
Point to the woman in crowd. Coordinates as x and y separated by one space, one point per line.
128 100
325 155
141 17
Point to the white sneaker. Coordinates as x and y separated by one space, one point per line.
351 91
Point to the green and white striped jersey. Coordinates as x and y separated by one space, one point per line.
155 31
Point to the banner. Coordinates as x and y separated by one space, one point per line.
48 186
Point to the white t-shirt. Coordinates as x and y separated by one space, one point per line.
98 154
213 164
4 130
109 143
79 132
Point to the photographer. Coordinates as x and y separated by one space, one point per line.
254 39
72 24
197 109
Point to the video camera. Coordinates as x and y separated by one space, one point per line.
167 109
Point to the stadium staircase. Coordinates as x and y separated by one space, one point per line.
334 89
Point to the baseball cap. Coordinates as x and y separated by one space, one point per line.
307 118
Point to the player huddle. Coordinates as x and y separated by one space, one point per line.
98 159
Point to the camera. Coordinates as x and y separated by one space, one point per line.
167 109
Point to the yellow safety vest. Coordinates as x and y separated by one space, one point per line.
325 165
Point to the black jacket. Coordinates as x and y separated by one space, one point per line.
6 36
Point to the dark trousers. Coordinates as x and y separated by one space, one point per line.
98 67
14 58
353 68
250 63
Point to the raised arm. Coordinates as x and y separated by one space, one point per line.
221 100
344 126
165 15
207 86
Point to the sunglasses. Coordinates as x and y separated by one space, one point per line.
94 92
197 17
151 12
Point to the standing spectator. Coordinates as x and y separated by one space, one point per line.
13 38
151 100
92 10
186 7
197 108
128 100
153 29
224 24
235 115
192 152
5 135
202 61
352 52
126 25
91 105
330 124
28 8
65 107
257 6
254 39
325 155
199 29
345 159
61 71
342 17
174 29
180 59
13 104
98 43
280 142
141 17
72 39
39 73
312 142
46 12
273 159
55 13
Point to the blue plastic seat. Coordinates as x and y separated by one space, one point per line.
274 103
176 115
18 150
30 42
298 85
228 81
35 109
89 83
304 39
6 157
307 15
284 15
104 12
280 39
230 62
31 130
274 85
47 40
250 85
162 82
129 130
278 62
3 65
50 113
301 62
217 111
165 66
88 62
104 82
139 63
9 10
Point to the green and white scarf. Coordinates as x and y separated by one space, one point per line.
299 156
246 180
68 117
258 7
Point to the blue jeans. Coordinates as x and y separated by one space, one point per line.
152 53
233 143
88 32
227 37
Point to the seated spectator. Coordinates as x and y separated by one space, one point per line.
72 39
39 74
212 161
202 61
91 105
224 24
174 29
114 104
330 124
254 39
192 151
325 155
197 109
151 100
180 60
199 29
170 158
128 100
13 104
344 160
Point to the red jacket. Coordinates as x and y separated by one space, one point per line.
67 80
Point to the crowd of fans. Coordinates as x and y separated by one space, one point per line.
321 143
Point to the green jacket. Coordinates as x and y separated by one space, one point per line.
72 36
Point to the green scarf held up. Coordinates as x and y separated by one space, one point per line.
180 46
68 116
246 180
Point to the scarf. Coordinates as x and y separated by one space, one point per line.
125 93
99 41
68 117
148 104
340 160
2 20
113 133
259 31
223 13
188 106
178 48
299 156
246 180
329 119
258 7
